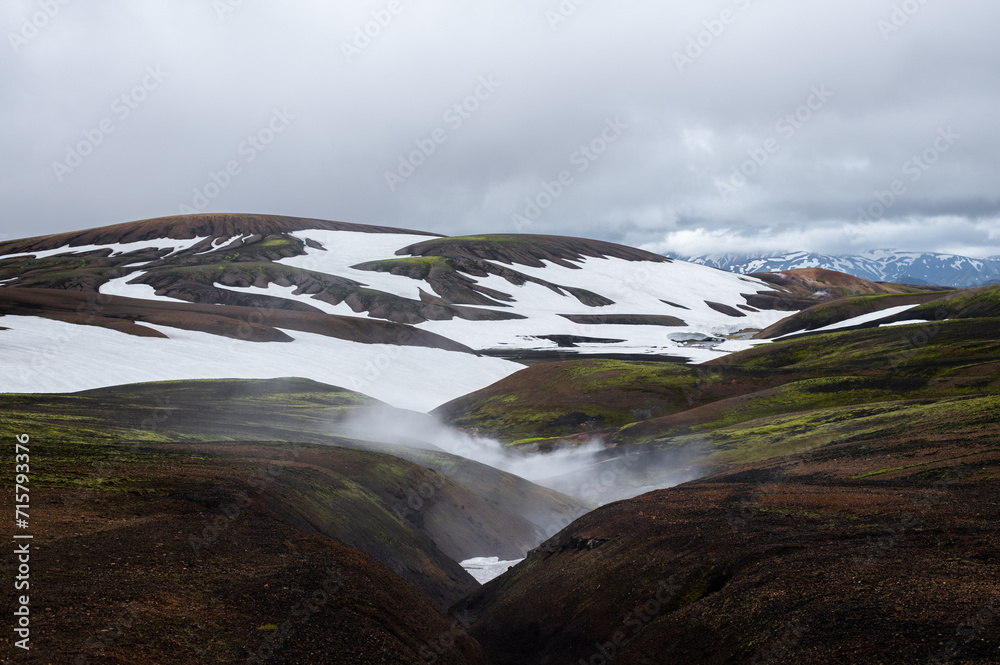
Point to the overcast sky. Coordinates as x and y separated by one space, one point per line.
725 125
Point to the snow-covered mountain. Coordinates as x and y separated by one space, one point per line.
877 266
408 317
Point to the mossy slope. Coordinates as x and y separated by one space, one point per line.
437 508
769 401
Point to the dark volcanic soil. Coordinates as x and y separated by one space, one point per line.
185 561
837 557
191 226
529 250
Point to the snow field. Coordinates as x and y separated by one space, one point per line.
45 356
344 249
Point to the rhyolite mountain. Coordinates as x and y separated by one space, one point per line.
842 508
878 265
373 309
842 469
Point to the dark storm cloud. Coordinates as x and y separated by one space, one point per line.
686 127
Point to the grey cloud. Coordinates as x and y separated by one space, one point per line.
658 184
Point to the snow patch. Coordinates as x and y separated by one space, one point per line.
117 249
858 320
635 287
288 293
46 356
903 323
221 242
121 287
343 249
485 569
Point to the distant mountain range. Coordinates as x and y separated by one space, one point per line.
878 266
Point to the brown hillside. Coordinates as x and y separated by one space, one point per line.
812 281
805 287
528 250
185 560
190 226
881 550
246 323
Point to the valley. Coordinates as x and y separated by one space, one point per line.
270 439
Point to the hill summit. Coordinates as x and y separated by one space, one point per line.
370 308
